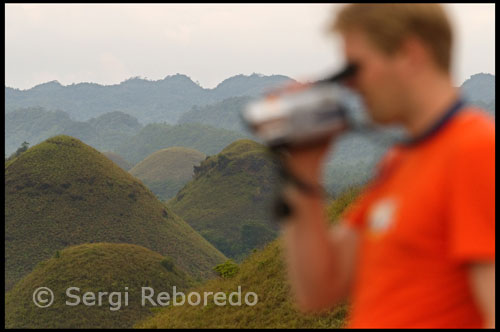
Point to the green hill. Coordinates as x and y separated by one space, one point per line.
229 200
119 160
166 171
62 192
264 273
97 267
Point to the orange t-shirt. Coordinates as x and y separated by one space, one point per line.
428 212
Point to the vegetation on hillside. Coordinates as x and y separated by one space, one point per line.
23 148
63 192
263 272
229 200
97 267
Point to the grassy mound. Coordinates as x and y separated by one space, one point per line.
119 160
62 192
166 171
99 267
264 273
229 200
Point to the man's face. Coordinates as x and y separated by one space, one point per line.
379 80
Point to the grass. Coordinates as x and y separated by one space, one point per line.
263 272
62 192
98 267
229 199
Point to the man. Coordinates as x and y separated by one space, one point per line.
417 247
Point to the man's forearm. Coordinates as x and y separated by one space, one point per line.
311 255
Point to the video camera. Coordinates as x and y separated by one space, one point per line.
301 114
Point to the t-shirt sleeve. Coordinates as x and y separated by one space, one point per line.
472 199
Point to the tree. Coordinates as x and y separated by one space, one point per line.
24 146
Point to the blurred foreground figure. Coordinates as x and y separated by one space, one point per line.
417 248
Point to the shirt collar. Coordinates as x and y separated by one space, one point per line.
437 126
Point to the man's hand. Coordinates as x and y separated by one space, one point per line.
320 259
305 162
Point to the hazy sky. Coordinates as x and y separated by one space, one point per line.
108 43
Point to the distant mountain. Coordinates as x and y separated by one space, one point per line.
253 85
224 114
166 171
479 90
62 192
113 128
35 125
115 132
229 200
352 163
154 137
479 87
148 101
96 267
354 156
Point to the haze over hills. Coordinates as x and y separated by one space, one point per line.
153 137
35 125
229 200
224 114
205 127
96 267
166 171
62 192
112 132
148 101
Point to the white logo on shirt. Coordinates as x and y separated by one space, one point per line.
381 215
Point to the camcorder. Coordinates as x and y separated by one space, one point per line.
301 114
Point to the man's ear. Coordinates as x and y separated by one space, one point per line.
414 54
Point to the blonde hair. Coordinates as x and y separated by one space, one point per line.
387 25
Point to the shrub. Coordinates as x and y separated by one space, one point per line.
168 264
227 269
